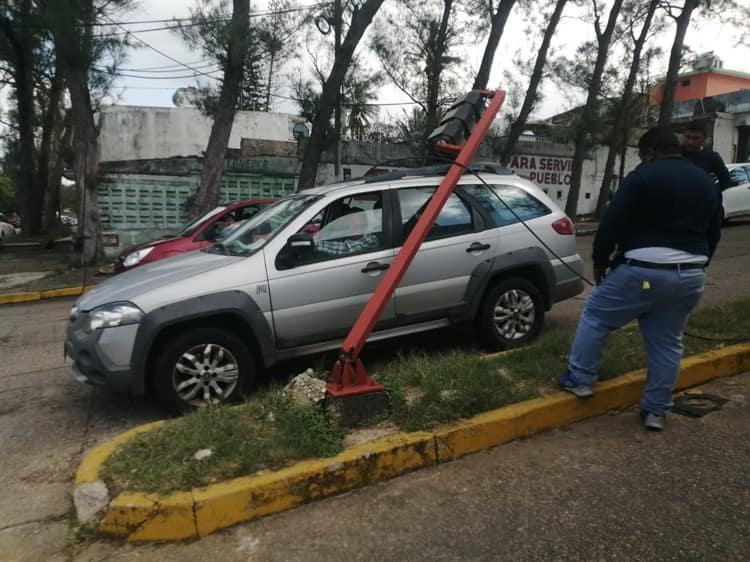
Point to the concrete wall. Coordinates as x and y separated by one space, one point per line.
550 167
699 85
724 137
140 133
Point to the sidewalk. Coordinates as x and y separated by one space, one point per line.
28 269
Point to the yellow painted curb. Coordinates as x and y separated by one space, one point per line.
88 471
40 295
20 297
148 517
246 498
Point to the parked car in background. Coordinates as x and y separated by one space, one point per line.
68 218
736 199
7 226
292 280
197 234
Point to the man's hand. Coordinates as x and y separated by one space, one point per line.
599 275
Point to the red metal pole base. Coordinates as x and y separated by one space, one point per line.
349 378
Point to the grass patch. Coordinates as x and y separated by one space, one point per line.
270 432
265 434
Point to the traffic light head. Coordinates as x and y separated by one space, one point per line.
459 120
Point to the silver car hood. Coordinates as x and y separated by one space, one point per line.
128 285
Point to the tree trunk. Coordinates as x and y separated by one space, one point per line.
328 98
499 18
587 116
207 196
617 137
536 77
435 70
61 147
20 39
49 129
85 165
670 82
270 78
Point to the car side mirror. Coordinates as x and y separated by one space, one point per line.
299 248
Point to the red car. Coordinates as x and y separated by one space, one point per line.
198 233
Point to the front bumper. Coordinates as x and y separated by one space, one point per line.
102 357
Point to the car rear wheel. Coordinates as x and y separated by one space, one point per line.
203 367
511 314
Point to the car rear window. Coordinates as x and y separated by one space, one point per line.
496 199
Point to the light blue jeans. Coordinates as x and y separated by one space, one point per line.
661 300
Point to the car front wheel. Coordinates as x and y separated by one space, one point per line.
203 367
511 314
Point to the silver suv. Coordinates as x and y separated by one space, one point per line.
196 328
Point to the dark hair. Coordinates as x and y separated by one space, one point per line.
696 127
661 140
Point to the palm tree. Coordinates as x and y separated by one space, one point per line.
359 95
360 110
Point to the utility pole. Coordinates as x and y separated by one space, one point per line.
337 115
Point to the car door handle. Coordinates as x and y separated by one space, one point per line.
477 247
375 266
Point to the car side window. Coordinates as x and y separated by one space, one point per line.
739 175
454 219
349 226
496 199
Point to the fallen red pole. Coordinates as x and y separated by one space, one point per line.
348 376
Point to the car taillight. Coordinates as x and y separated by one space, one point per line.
564 226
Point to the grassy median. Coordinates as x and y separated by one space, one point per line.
269 432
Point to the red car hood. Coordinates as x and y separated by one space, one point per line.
159 242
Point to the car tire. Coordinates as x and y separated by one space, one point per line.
511 314
203 367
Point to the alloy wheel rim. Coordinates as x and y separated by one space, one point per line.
514 314
205 374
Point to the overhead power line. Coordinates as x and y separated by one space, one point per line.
162 53
174 20
182 77
161 73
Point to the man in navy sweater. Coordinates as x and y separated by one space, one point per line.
656 237
694 150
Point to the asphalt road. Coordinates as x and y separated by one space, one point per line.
599 490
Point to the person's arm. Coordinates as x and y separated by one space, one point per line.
612 226
722 174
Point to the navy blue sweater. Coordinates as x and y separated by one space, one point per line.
668 203
712 163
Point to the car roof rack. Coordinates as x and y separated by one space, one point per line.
437 170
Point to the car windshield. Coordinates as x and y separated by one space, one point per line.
256 231
195 224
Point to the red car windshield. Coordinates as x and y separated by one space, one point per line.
196 223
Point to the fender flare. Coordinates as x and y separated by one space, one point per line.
235 303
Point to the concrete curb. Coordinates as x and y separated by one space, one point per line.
181 515
12 298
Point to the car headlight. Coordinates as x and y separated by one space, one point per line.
134 258
112 315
